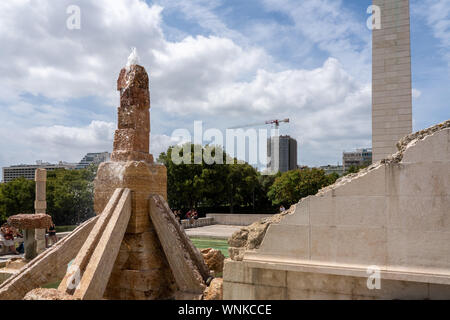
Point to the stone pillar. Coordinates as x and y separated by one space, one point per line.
141 271
29 243
40 206
391 78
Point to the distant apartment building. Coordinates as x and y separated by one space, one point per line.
93 158
333 169
357 158
28 170
282 154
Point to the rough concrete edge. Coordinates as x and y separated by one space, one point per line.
411 139
402 145
251 237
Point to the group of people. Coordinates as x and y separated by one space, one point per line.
8 234
191 215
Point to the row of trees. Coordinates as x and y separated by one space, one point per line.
231 186
213 185
69 196
237 186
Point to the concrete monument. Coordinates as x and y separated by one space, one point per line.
392 218
391 78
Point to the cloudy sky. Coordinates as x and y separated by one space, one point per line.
224 62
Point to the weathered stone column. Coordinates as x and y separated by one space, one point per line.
29 243
29 223
141 270
40 206
391 78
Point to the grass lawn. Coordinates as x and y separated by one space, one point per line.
220 244
65 228
53 285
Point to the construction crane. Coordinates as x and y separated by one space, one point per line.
276 123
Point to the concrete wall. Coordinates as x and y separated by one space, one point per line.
391 78
247 283
200 222
236 219
394 215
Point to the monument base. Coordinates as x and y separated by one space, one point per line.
141 270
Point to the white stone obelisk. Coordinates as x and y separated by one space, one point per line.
391 78
40 206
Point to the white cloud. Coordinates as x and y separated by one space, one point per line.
437 16
332 28
42 57
215 78
160 143
98 134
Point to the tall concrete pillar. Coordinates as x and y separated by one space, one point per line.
391 78
40 206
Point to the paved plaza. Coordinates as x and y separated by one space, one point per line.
216 231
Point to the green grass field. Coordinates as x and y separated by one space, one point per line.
65 228
219 244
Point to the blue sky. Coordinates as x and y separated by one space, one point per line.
226 63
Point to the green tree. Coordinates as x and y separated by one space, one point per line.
241 183
209 184
184 182
70 197
16 197
293 185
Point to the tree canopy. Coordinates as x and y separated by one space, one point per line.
291 186
69 196
209 186
231 183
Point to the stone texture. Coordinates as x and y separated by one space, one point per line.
47 294
89 273
40 206
48 267
32 224
131 139
30 221
82 259
186 263
141 270
215 290
391 78
251 237
214 259
97 273
393 214
16 263
29 243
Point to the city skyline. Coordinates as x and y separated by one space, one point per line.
223 63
